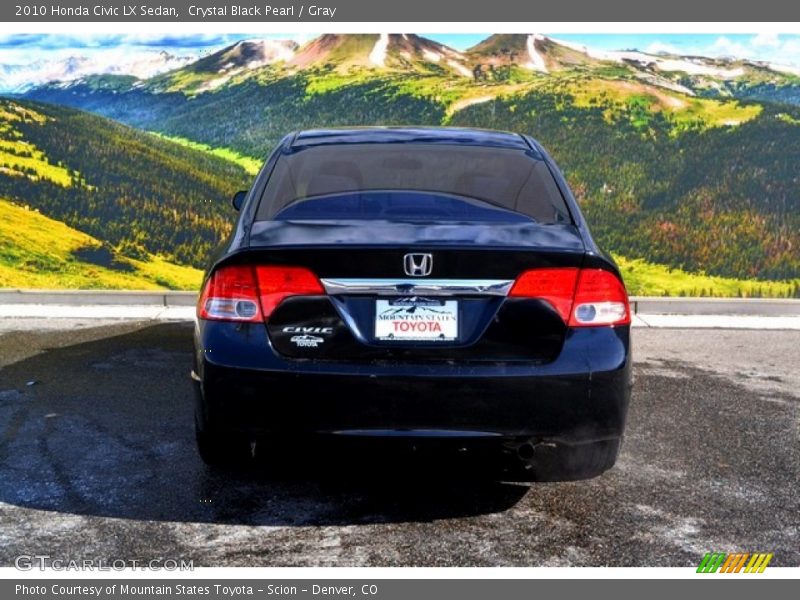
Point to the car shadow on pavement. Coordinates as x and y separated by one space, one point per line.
103 427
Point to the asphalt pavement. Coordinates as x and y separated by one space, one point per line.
97 460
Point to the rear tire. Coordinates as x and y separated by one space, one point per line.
222 450
217 448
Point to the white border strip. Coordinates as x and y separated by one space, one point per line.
288 28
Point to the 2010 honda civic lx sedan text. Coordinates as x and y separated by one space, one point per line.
416 284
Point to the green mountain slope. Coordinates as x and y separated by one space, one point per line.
136 192
669 159
39 252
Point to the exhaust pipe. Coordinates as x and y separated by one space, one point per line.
526 451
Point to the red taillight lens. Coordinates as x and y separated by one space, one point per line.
556 286
600 299
230 294
277 283
251 293
582 297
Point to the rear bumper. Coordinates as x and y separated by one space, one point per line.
579 398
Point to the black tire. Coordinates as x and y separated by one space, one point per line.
217 448
222 449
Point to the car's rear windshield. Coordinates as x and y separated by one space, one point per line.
376 181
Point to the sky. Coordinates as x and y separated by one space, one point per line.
18 51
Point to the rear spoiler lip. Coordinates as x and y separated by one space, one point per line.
392 234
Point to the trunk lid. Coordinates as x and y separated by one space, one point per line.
458 311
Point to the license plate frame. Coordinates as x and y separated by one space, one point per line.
415 319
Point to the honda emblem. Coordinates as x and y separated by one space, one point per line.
418 265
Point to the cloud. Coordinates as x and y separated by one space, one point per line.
781 49
766 40
724 46
43 42
14 40
180 41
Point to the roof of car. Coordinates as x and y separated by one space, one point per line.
405 135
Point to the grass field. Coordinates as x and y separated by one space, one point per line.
38 252
249 164
647 279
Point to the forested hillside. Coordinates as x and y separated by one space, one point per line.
138 193
724 200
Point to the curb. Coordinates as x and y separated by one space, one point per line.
763 307
97 297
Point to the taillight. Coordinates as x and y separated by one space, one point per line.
230 294
556 286
600 299
581 297
251 293
277 283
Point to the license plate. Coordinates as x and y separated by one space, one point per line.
420 319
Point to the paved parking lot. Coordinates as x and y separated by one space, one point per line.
97 461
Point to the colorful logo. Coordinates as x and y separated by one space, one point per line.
744 562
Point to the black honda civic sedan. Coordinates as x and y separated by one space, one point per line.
413 285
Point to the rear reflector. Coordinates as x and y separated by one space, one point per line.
581 297
251 293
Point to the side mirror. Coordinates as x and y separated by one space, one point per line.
238 200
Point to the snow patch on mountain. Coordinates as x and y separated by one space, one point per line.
213 84
461 69
694 67
466 102
454 53
784 69
537 60
431 56
267 52
378 54
690 65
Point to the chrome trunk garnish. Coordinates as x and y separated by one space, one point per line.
418 287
